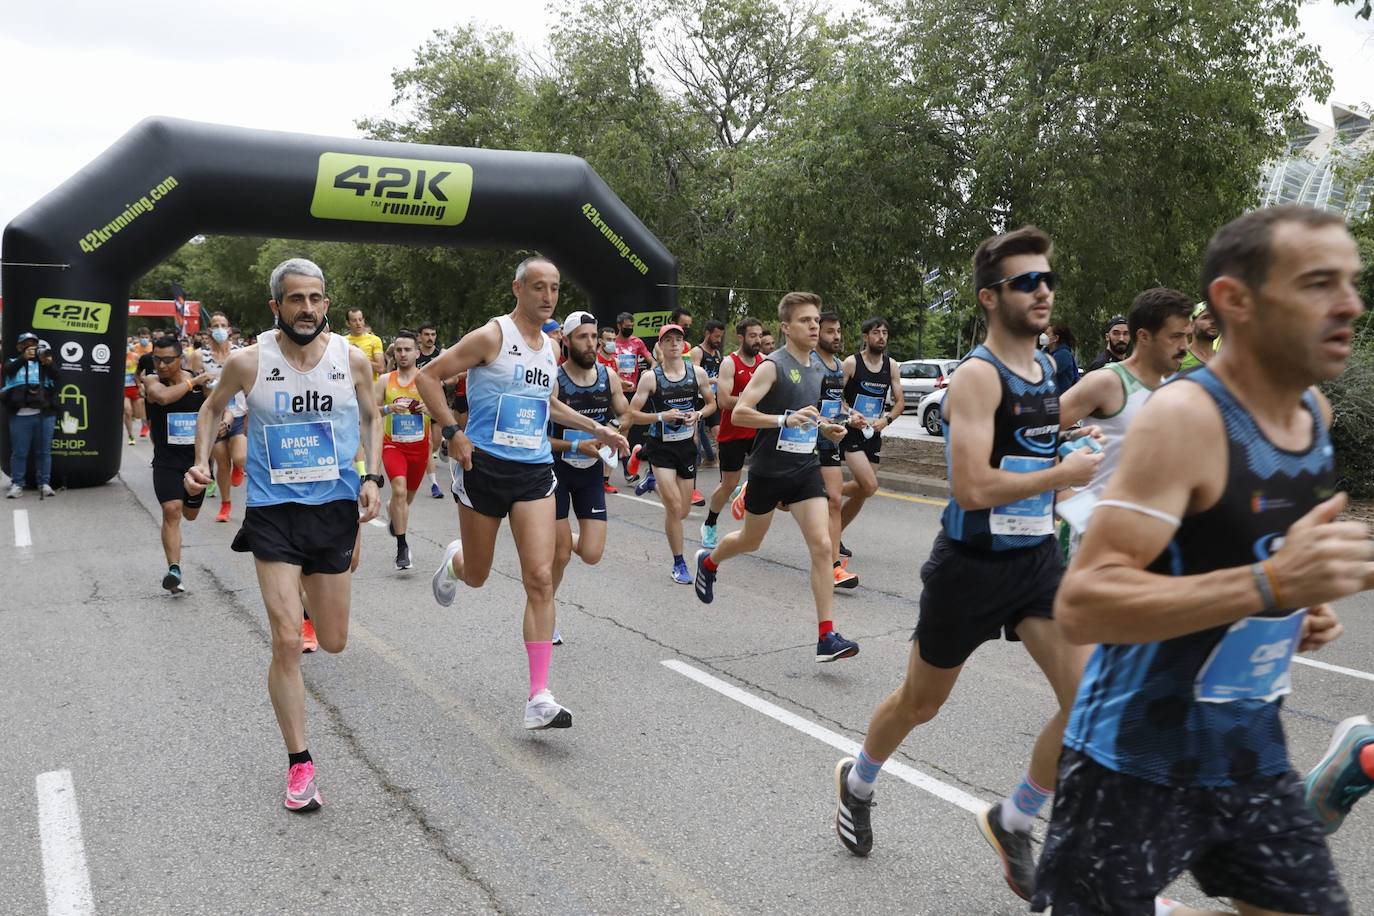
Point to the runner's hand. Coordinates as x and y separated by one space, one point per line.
197 479
587 447
460 449
833 431
1319 627
675 416
1322 559
607 436
369 501
808 416
1078 469
202 380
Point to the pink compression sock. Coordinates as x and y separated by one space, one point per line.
540 654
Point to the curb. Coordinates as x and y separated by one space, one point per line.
911 484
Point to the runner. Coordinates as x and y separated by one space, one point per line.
360 336
594 391
310 406
994 567
175 397
869 378
780 402
405 439
231 436
833 407
1203 340
133 396
735 441
1175 758
428 339
631 358
605 356
503 463
766 343
678 397
708 355
1113 395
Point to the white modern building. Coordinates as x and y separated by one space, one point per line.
1309 173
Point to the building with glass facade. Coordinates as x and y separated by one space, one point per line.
1309 173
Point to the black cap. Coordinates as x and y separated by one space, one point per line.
1119 319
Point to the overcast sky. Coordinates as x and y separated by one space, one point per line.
76 74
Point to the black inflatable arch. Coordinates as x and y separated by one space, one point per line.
167 180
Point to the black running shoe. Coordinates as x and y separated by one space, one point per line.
845 551
1014 847
172 581
705 581
852 824
403 557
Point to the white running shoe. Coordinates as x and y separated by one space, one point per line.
445 586
543 711
15 491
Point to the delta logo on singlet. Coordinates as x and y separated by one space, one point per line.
530 378
305 402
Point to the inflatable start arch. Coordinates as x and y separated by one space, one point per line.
167 180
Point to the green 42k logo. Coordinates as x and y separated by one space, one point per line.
382 189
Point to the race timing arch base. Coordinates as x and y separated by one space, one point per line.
168 180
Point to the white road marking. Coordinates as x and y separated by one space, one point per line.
1363 675
650 502
915 777
22 538
65 877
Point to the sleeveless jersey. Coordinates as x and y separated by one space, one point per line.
1115 426
1025 438
172 427
786 452
594 401
728 431
302 428
867 390
670 394
1203 709
403 428
239 405
508 399
832 395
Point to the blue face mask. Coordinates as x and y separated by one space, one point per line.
144 340
219 334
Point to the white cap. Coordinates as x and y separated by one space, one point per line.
575 321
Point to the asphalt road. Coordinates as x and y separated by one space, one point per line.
697 777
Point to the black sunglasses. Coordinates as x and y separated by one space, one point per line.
1029 281
166 360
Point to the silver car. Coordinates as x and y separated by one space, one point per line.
920 377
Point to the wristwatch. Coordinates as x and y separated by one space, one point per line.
448 432
378 479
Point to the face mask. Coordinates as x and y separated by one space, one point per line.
220 334
298 338
609 346
626 332
1044 340
144 341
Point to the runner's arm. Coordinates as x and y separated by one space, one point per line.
378 357
236 376
1172 464
898 396
158 393
647 385
971 403
1087 397
475 349
709 396
725 383
745 412
620 405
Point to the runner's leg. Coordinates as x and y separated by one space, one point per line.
812 519
858 490
281 594
171 531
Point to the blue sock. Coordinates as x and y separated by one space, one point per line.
864 774
1021 807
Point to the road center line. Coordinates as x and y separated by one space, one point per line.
65 878
22 538
1352 672
915 777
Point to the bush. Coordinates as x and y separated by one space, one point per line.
1352 434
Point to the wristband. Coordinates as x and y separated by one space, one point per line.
782 420
1261 577
360 467
1273 576
658 417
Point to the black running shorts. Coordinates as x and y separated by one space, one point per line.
764 494
318 539
169 484
969 596
494 484
733 452
678 457
581 491
830 457
1115 842
872 446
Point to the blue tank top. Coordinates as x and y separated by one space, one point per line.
1203 709
1025 438
593 401
302 428
508 399
670 394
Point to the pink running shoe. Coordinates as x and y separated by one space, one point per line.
301 792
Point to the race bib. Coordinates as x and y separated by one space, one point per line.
830 408
679 433
1029 517
520 421
129 379
797 440
181 429
1252 660
626 364
870 405
572 457
301 452
407 427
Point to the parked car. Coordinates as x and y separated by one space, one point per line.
928 411
922 376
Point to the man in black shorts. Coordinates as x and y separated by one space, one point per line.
708 355
593 390
870 378
673 399
174 397
1209 561
995 566
833 407
734 441
781 402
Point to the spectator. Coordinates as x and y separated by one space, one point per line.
1060 347
30 389
1118 339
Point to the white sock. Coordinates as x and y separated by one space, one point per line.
1164 906
857 787
1015 820
432 480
